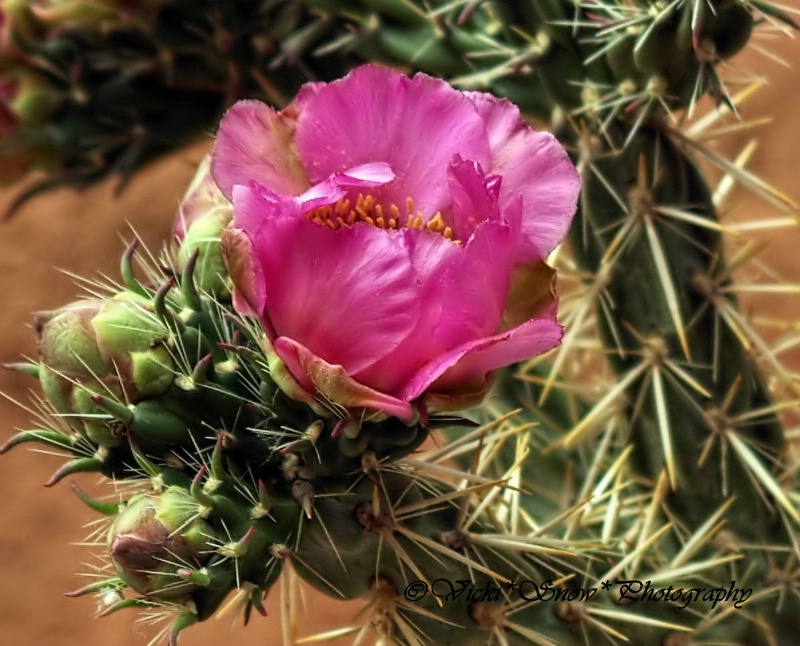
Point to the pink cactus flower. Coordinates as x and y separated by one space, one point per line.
390 233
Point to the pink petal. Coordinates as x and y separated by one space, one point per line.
536 166
434 258
255 205
256 143
334 383
474 291
245 271
466 368
335 186
350 296
474 198
375 114
463 292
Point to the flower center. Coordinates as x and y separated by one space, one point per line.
345 214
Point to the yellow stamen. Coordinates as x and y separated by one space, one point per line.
436 223
343 214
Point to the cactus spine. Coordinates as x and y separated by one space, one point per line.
690 412
92 89
677 474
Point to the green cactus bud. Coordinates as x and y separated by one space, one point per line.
157 541
117 343
204 213
36 99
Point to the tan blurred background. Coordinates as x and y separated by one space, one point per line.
83 233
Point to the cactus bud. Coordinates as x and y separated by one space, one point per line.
72 13
203 215
25 100
158 541
110 346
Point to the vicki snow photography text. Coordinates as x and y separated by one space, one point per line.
627 590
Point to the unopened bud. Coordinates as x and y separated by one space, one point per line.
113 346
203 215
156 540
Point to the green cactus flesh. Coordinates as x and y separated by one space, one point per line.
648 449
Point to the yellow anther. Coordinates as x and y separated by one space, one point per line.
341 215
436 223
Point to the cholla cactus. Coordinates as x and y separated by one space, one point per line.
374 254
104 85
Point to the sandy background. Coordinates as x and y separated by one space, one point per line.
82 233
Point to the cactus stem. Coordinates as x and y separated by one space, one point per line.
126 270
24 367
105 508
79 465
116 409
189 291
